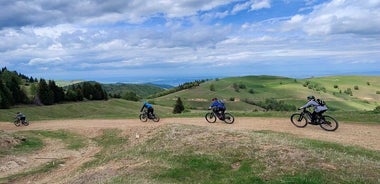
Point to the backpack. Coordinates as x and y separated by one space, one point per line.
321 102
221 102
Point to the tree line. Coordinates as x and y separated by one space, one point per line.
17 89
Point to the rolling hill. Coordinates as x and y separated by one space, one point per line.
342 93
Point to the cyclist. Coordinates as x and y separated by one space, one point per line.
20 116
218 107
318 108
149 107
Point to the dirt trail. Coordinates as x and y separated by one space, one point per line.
363 135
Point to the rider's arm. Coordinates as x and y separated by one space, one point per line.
142 108
308 104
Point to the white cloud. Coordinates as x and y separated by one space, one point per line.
45 61
340 17
260 4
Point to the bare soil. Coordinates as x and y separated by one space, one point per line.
354 134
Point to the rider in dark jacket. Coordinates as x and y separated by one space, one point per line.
218 108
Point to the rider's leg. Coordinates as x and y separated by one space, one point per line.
313 116
150 112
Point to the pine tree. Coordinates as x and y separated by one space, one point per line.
178 107
5 96
46 95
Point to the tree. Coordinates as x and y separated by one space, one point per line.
178 107
59 94
45 94
129 95
5 96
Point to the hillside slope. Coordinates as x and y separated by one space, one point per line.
349 93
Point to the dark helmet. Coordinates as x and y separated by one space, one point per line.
310 97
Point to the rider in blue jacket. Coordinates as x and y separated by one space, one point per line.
218 107
149 107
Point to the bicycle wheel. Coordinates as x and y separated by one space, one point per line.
228 118
210 117
298 120
17 123
143 117
25 123
156 118
328 123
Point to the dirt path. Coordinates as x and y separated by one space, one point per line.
363 135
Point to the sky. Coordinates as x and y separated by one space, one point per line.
184 40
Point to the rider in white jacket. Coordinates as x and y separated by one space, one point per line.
318 109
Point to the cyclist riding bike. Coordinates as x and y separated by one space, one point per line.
318 108
20 116
149 107
218 108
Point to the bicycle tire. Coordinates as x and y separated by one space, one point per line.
328 123
210 117
229 118
25 123
17 123
298 120
143 118
156 118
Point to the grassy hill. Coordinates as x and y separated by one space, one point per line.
141 90
237 90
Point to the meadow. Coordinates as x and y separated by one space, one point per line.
180 153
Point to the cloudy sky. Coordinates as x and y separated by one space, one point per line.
137 40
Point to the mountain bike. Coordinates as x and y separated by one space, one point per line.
19 122
301 120
227 118
144 116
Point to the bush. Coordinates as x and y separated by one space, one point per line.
212 87
178 107
377 109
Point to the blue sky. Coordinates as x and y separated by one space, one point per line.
149 41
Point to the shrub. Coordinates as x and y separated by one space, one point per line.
356 87
178 107
348 91
377 109
335 86
212 87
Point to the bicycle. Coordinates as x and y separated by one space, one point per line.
19 122
301 120
144 116
211 117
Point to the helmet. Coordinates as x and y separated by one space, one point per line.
310 97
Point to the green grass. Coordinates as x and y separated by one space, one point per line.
28 143
33 141
41 169
111 144
355 108
177 153
186 154
72 141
